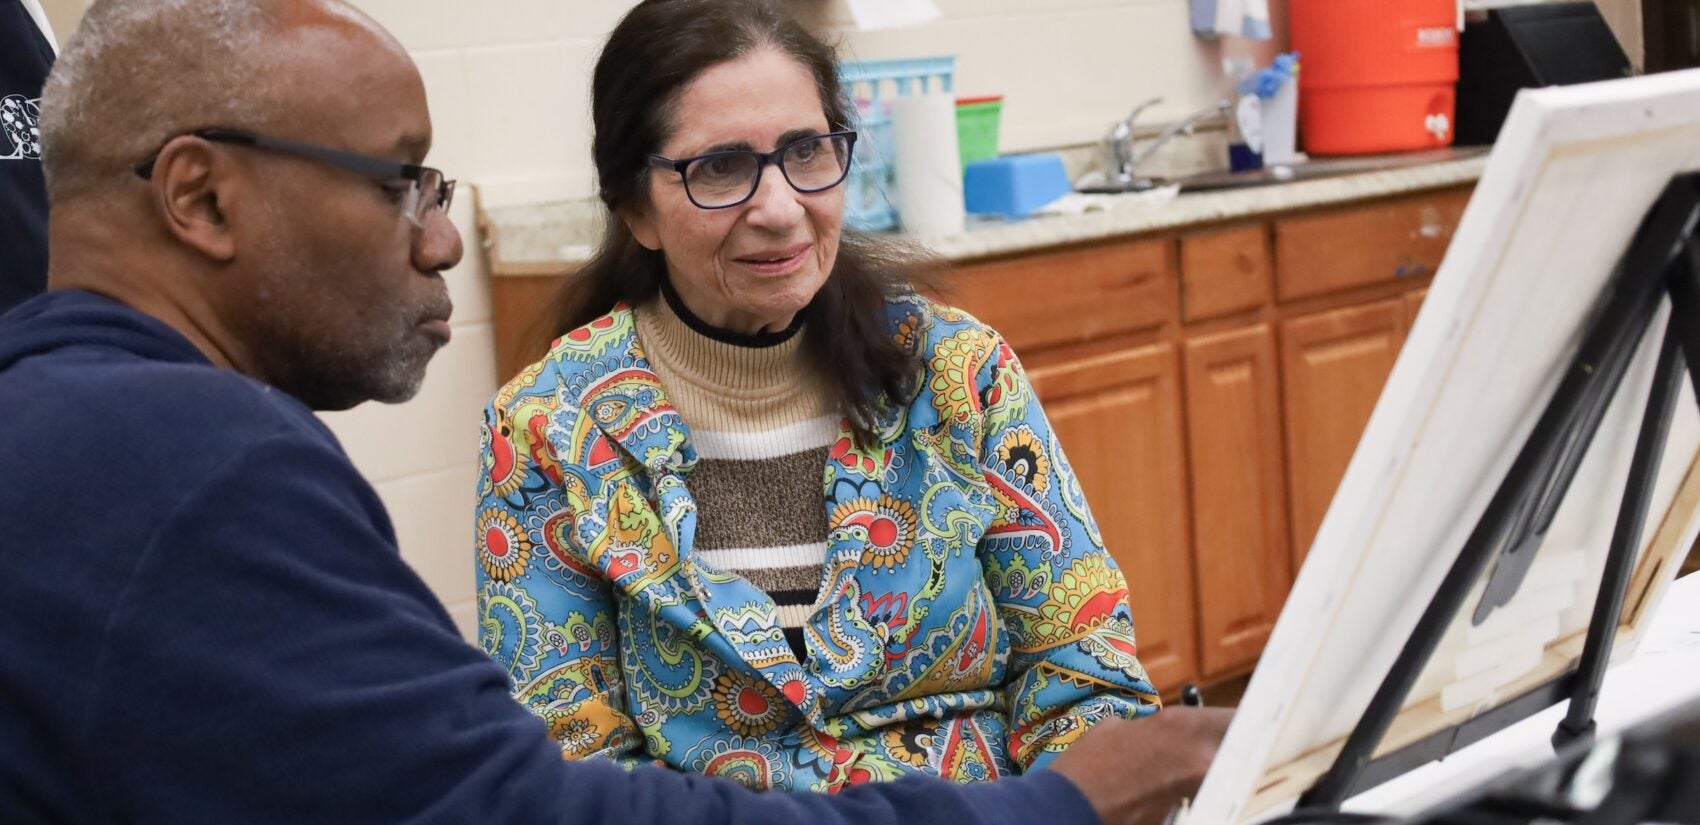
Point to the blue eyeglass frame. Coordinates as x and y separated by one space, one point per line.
763 160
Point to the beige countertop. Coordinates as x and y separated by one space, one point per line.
554 238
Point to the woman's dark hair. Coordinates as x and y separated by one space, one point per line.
658 48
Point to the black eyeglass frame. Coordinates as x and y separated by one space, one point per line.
763 160
379 168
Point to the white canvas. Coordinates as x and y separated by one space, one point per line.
1573 173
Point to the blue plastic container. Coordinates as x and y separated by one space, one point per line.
870 197
1014 185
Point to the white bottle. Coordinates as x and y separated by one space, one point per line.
1281 115
1280 120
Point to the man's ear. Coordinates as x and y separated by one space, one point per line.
190 179
641 222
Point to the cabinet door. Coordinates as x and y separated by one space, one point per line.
1333 365
1413 305
1238 497
1118 417
519 307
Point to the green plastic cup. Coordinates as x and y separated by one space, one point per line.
977 127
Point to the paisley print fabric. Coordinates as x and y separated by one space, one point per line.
970 623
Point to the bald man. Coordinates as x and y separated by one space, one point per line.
203 615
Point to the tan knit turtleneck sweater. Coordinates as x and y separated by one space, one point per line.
762 424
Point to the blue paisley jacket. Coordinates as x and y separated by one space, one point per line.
970 623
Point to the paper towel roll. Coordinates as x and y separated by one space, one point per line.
928 165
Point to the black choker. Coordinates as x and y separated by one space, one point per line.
753 340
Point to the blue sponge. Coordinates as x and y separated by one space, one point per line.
1014 185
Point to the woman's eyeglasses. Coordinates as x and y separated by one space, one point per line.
427 190
719 180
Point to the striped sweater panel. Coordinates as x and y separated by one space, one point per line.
762 426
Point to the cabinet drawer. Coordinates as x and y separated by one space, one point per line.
1070 296
1224 272
1364 245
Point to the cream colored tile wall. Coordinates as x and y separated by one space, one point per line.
508 83
1066 68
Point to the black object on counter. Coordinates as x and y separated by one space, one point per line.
1521 47
1191 696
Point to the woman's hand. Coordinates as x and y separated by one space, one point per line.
1137 772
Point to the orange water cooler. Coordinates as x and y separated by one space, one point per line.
1375 75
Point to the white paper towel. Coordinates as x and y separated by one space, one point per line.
928 165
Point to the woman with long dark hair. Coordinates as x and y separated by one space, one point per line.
762 511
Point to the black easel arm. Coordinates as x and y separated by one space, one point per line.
1630 302
1560 465
1578 721
1662 246
1685 308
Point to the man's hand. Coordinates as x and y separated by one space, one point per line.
1136 772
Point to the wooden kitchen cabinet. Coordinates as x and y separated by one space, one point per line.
1284 329
1413 304
1333 365
1118 417
1070 296
1239 524
523 328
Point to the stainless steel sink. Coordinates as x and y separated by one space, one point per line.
1120 187
1316 168
1311 169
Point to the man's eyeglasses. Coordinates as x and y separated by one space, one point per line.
719 180
427 190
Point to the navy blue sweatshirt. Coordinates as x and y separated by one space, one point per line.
204 618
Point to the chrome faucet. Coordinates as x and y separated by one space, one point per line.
1119 157
1121 161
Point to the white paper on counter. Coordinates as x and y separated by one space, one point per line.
891 14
